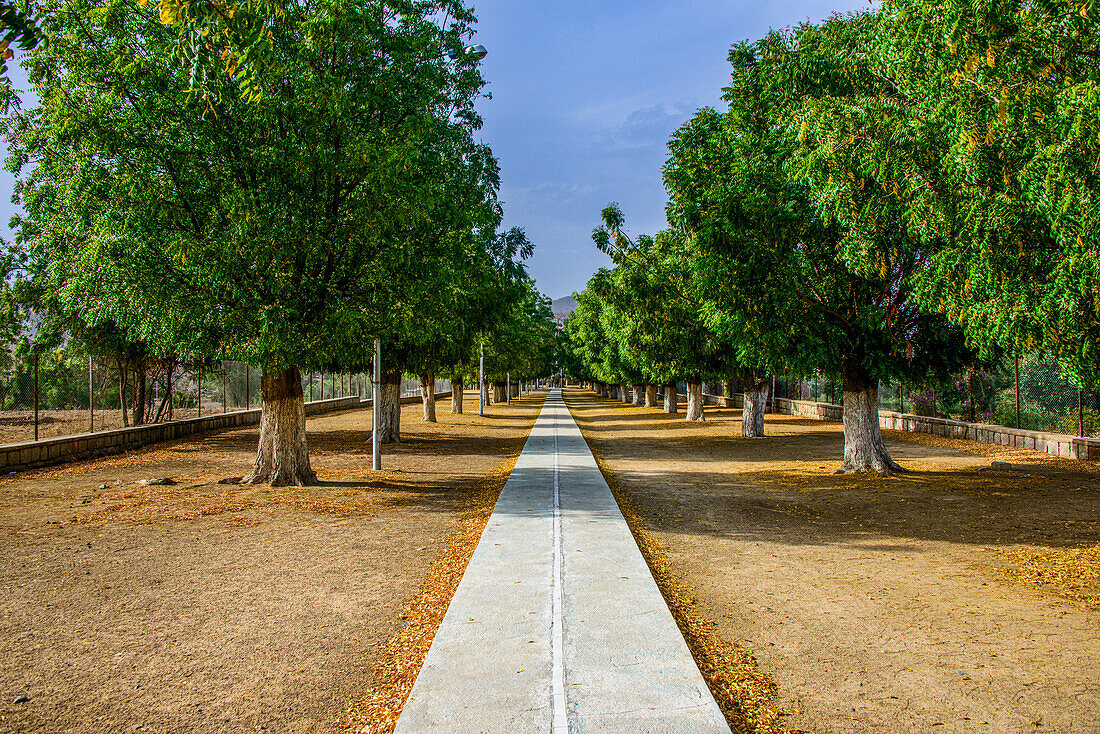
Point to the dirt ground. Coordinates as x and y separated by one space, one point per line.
204 607
947 599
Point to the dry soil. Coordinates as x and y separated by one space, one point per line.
947 599
206 607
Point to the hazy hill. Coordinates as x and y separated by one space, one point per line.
563 307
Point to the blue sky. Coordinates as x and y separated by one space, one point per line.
585 96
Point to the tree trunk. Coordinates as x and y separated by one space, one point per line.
752 411
122 372
639 394
695 402
864 450
427 396
389 404
729 387
672 402
970 394
498 392
650 396
515 389
456 396
138 412
166 401
283 458
485 393
624 394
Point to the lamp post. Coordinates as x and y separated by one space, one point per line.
481 382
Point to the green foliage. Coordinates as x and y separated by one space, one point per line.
284 231
790 282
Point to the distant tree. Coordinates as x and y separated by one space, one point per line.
660 330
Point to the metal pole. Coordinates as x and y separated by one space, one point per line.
481 382
247 393
225 403
91 399
1017 392
508 388
200 394
1080 413
376 407
36 397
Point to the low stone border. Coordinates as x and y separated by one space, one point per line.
18 457
1056 444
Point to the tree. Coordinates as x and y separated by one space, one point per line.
658 327
521 345
803 289
279 231
991 140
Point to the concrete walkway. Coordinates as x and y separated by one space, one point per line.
557 625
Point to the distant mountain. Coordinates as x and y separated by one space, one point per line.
563 307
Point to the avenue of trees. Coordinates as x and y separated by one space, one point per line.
901 193
175 210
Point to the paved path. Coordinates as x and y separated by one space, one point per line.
518 651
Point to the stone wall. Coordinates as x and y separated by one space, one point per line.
18 457
1057 444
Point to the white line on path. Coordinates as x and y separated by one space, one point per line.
561 722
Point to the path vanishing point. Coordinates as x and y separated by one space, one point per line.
557 625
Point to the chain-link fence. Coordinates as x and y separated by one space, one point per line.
62 393
1029 393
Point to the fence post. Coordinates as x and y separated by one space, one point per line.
1080 412
91 398
1017 393
35 397
225 403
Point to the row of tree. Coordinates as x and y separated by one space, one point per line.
898 193
287 229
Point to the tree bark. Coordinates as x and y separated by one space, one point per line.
122 372
672 402
650 396
752 411
166 401
639 394
498 392
624 394
389 403
864 450
282 459
729 387
138 413
515 389
485 393
427 396
456 396
695 402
